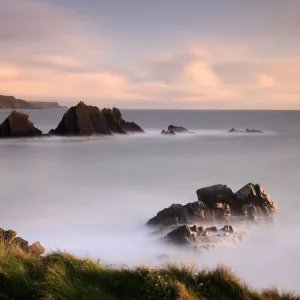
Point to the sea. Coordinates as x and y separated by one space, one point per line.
92 196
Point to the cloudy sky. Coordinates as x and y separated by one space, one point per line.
234 54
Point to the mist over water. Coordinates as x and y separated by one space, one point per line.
92 196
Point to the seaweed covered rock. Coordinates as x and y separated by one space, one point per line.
85 120
9 239
218 203
18 124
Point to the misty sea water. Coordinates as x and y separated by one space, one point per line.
91 196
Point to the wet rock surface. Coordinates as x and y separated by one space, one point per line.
9 238
18 124
85 120
218 203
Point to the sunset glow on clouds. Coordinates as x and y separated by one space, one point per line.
106 54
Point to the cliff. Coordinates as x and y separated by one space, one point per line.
10 102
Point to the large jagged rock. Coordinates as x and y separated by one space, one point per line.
218 203
18 124
9 239
87 120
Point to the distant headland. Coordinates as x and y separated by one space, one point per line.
10 102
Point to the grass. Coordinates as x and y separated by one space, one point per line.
61 276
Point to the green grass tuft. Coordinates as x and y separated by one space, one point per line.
61 276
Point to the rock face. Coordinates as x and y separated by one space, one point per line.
190 235
9 238
218 203
18 124
87 120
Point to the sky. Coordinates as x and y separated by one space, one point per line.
160 54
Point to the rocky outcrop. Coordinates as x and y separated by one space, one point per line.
248 130
177 129
18 124
84 120
168 132
195 236
235 130
9 239
218 203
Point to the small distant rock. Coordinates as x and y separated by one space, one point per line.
177 129
248 130
168 132
18 124
235 130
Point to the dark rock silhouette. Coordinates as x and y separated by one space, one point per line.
168 132
248 130
177 129
218 203
18 124
235 130
87 120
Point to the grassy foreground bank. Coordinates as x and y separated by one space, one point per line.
61 276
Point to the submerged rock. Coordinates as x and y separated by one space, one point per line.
218 203
18 124
87 120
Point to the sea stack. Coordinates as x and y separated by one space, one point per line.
86 120
18 124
